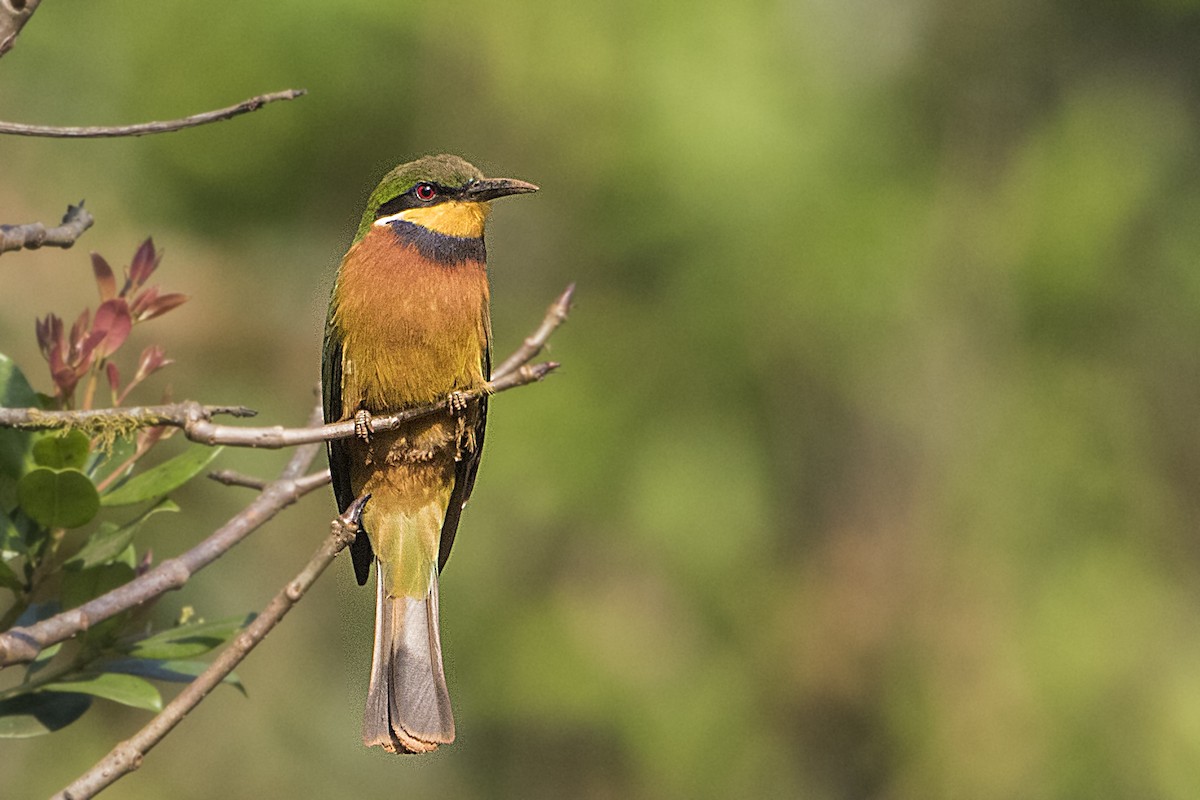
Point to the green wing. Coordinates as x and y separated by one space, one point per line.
466 469
339 453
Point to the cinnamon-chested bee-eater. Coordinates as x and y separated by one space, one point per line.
409 325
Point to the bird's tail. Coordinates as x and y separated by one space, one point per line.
408 706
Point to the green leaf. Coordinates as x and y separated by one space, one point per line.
176 671
160 480
105 463
43 659
8 492
111 540
15 392
55 499
128 690
186 641
68 450
40 713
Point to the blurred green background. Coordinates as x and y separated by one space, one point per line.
872 468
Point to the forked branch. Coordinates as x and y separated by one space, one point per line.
33 235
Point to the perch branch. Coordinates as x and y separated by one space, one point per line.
13 16
555 315
127 756
231 477
23 644
194 419
144 128
33 235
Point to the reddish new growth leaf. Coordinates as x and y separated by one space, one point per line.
69 358
105 280
92 341
145 261
49 332
152 361
114 382
113 323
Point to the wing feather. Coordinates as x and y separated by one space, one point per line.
337 450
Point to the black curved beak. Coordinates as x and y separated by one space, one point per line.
490 188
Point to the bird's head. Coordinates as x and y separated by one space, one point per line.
442 193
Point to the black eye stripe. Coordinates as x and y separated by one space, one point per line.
410 199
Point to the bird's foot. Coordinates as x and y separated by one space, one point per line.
362 425
458 402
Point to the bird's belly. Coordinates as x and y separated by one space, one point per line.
393 374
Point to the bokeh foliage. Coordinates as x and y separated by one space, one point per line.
872 470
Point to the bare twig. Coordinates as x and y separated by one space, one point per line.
13 16
231 477
23 644
555 315
127 756
144 128
33 235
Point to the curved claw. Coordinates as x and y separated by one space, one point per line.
458 402
362 425
350 521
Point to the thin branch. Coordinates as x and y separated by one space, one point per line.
33 235
13 16
144 128
23 644
127 756
555 315
231 477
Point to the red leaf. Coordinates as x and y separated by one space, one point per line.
79 330
113 323
105 280
145 260
56 360
147 437
49 333
114 377
152 360
84 349
162 305
141 301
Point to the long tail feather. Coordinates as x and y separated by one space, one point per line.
408 705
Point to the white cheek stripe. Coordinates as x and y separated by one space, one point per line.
385 220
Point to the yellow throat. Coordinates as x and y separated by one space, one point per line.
452 218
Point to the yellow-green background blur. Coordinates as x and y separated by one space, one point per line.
873 470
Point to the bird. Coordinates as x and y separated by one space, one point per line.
409 325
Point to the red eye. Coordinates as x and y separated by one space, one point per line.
425 191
